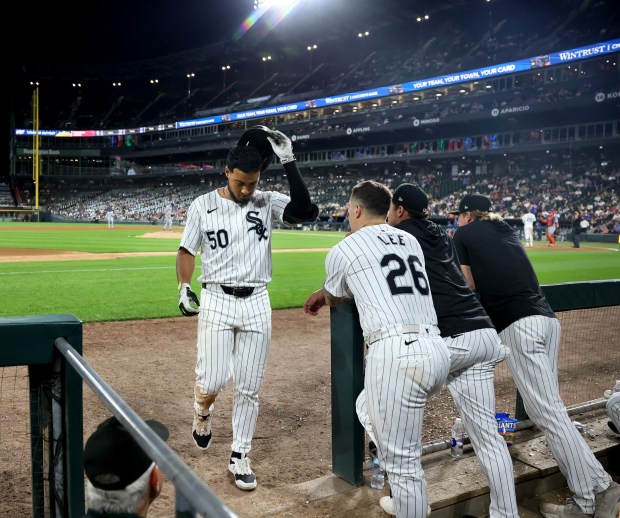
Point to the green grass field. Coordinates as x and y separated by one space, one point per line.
129 288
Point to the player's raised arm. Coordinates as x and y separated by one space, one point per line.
300 208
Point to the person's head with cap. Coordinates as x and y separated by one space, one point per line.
121 477
472 207
245 163
408 201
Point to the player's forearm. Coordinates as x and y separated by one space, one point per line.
330 300
300 207
185 266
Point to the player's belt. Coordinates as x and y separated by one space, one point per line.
400 330
236 292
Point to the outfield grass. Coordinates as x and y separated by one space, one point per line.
130 288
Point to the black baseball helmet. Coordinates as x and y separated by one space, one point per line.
256 137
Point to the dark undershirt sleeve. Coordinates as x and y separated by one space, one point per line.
300 208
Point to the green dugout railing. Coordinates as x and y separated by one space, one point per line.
347 357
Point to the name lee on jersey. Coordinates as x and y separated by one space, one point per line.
391 239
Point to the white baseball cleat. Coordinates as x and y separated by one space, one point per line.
568 510
244 476
387 504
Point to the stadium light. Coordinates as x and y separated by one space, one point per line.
362 36
420 19
189 83
311 49
265 60
225 68
267 4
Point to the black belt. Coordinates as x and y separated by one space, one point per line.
235 292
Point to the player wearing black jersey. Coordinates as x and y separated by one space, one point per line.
473 343
496 265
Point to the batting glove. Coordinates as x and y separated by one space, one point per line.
188 301
281 145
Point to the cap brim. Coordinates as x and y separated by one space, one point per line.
256 137
455 212
159 428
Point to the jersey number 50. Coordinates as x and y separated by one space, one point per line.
419 279
219 238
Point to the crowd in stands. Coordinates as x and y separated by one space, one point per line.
338 69
592 192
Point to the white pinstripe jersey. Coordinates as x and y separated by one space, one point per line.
234 240
384 269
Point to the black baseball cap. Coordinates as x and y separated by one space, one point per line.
113 459
256 137
472 202
411 196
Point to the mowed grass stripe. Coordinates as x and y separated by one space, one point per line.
135 288
129 238
130 288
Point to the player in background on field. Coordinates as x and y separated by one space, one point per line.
496 265
528 228
549 220
168 212
475 348
231 227
383 269
110 217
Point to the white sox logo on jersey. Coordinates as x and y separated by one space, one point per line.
259 228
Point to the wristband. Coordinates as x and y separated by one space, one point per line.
287 159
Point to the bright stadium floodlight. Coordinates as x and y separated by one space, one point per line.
225 68
189 76
267 4
265 60
311 48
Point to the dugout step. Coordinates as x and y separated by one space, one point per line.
457 487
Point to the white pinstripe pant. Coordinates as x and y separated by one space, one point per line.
613 409
473 357
397 381
534 344
234 335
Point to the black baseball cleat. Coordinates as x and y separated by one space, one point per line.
612 427
372 448
239 466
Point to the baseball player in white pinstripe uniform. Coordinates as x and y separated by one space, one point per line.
495 264
528 228
613 410
383 269
474 346
231 228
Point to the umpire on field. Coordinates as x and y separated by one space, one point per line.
495 264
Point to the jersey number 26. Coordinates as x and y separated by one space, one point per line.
419 279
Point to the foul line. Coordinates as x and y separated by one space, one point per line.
89 270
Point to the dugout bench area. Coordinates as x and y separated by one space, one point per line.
51 346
